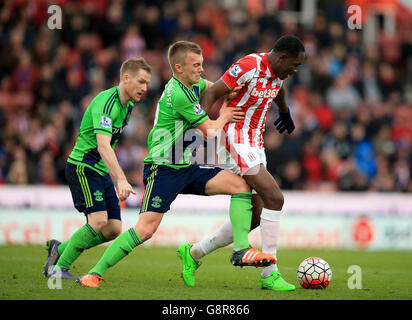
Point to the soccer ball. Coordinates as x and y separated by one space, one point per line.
314 273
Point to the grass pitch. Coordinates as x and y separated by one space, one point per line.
154 274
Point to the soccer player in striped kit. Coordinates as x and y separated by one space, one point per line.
240 146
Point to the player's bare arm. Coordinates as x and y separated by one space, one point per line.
109 158
232 93
210 128
280 100
218 90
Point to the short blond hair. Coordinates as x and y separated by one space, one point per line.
133 65
178 51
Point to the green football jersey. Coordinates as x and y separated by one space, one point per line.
106 115
178 110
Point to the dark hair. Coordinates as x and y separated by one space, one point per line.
290 45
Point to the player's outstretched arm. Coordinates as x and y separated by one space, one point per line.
110 160
218 90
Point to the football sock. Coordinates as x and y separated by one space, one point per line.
119 249
241 215
219 239
79 241
269 229
98 239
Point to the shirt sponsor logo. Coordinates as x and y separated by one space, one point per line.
266 93
235 70
105 122
117 131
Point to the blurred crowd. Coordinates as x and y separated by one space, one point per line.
352 104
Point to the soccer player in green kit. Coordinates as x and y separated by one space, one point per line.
91 163
168 170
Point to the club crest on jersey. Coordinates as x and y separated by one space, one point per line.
235 71
251 156
198 109
105 122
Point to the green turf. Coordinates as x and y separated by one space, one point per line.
154 274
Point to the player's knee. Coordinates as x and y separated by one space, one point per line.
145 232
275 201
239 185
113 232
147 224
97 220
98 224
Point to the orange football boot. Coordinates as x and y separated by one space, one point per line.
251 257
91 280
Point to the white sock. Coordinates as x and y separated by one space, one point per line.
269 229
219 239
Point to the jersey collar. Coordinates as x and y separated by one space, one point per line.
130 103
266 62
180 81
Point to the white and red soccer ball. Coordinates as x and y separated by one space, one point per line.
314 273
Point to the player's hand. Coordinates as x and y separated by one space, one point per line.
284 122
124 189
234 92
232 114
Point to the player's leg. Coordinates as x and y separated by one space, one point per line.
101 226
223 182
124 244
266 186
218 182
223 236
240 213
240 204
56 248
111 230
156 201
87 189
268 189
191 254
82 239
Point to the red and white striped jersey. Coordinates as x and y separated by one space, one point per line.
261 87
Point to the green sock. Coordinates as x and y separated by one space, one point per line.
241 216
98 239
79 241
119 249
